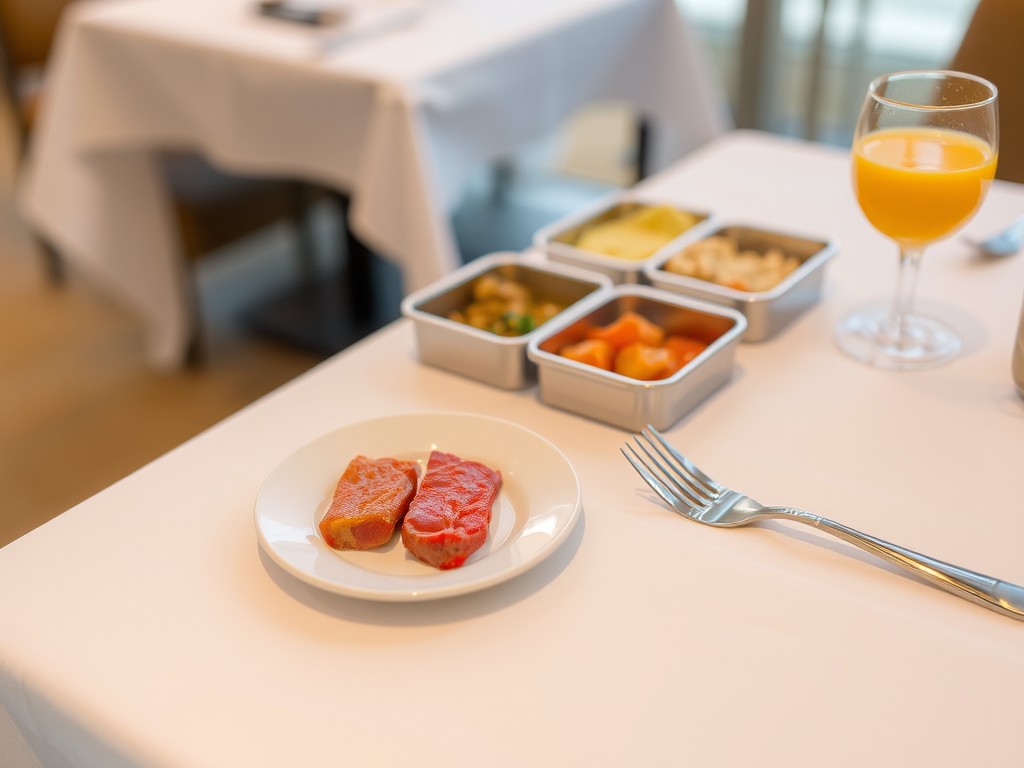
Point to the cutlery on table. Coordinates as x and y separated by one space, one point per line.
1006 242
696 496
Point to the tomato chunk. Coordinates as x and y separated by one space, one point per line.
683 349
645 362
596 352
630 327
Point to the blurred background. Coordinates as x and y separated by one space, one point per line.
80 408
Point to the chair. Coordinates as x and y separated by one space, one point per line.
213 208
991 48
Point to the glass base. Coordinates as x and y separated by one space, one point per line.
871 337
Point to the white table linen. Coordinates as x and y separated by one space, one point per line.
397 119
144 627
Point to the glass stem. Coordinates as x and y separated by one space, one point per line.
906 284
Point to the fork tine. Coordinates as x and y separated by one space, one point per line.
692 495
656 484
707 485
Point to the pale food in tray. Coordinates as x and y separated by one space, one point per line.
770 276
721 259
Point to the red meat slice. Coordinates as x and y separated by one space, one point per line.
448 518
369 501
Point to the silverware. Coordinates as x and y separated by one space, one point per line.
1004 243
696 496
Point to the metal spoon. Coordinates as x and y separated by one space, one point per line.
1004 243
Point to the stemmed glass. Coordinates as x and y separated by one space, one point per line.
924 154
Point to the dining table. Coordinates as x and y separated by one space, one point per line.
158 623
396 108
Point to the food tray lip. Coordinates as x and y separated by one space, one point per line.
655 272
480 265
544 238
594 302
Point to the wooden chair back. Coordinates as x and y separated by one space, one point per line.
992 48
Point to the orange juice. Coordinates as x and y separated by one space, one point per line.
917 185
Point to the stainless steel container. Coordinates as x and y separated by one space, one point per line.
623 401
559 240
500 361
766 311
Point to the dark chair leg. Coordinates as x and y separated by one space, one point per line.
195 352
360 266
643 148
52 262
301 196
502 175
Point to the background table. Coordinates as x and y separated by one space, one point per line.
398 119
144 627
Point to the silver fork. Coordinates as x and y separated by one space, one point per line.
696 496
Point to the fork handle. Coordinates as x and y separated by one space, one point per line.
1000 596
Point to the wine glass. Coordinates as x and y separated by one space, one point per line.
924 154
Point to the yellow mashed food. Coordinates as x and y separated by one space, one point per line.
637 234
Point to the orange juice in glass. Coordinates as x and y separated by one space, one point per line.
918 185
924 154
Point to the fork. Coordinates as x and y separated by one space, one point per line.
696 496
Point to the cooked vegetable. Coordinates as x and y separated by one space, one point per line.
634 346
683 349
596 352
628 328
644 362
504 307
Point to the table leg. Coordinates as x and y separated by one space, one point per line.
359 260
325 313
643 147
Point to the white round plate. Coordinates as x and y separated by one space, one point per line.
536 510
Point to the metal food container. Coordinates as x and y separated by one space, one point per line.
559 240
500 361
626 402
766 311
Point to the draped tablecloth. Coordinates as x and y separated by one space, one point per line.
397 116
145 628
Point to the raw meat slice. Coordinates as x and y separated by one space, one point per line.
448 518
371 498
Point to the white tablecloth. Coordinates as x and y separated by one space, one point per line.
144 627
397 119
